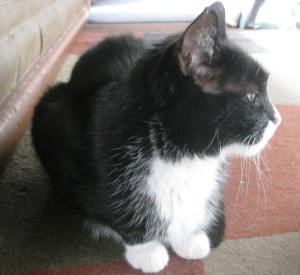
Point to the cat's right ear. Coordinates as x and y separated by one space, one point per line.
197 47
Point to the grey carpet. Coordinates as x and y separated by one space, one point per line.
35 229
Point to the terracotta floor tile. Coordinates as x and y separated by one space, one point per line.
270 204
176 266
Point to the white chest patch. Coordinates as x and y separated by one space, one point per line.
181 191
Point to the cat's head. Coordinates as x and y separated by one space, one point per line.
229 106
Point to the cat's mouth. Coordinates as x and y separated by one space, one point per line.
261 140
254 143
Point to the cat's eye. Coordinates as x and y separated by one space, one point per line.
251 96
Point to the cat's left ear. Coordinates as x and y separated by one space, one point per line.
197 47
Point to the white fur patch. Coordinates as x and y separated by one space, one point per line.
149 257
197 247
99 230
181 191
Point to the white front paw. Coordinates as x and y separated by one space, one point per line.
197 247
149 257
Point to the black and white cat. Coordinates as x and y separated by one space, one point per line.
137 141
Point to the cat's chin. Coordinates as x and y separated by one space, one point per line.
238 149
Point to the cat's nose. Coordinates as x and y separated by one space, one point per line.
276 117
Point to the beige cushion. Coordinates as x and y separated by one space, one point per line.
14 12
27 29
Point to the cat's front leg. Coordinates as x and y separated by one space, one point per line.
195 247
149 257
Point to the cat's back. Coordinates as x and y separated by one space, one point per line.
107 62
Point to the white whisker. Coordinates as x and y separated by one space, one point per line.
241 181
215 135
